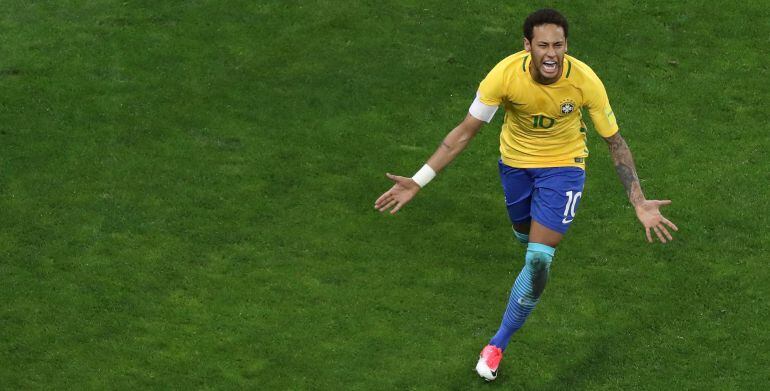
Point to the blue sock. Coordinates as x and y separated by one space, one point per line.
525 292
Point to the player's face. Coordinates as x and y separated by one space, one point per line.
547 48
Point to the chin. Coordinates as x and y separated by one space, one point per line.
551 77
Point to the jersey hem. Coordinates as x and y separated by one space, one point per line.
562 163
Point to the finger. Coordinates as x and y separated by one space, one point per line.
664 202
384 198
388 205
402 181
670 224
395 178
665 232
649 237
397 208
660 235
381 199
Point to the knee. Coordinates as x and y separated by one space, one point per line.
539 257
538 261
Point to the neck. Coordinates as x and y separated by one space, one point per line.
536 76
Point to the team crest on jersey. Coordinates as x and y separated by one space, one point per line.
567 107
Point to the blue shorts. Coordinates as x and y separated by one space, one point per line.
550 196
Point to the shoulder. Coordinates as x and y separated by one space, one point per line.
508 66
580 73
516 59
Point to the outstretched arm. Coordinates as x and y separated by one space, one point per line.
648 211
404 189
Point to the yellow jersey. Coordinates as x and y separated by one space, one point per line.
543 125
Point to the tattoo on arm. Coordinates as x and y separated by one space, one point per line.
624 165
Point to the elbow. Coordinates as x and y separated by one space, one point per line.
615 142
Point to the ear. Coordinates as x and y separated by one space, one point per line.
566 45
527 45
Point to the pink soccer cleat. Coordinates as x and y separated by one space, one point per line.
489 360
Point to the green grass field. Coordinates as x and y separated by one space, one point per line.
186 193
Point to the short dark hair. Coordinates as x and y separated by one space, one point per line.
544 16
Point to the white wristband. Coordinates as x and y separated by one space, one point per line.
424 176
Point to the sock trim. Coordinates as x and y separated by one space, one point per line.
523 238
542 248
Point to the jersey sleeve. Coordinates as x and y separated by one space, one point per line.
492 90
599 108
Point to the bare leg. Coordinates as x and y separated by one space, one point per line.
539 233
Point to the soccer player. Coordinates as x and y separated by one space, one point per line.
542 159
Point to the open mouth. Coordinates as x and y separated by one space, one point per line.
549 66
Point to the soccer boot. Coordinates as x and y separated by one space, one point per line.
489 360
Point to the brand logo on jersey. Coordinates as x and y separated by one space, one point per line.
610 115
567 107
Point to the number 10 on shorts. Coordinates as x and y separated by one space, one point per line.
569 210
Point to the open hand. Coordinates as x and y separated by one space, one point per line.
649 215
402 192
